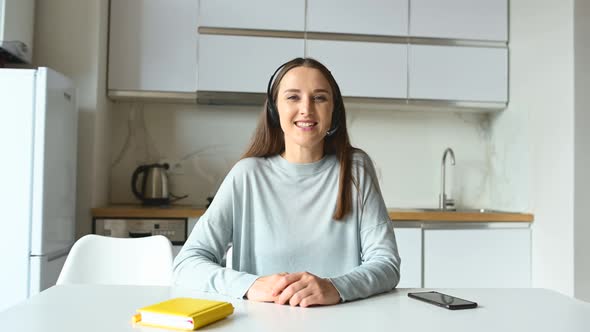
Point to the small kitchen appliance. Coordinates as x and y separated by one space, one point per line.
153 188
175 229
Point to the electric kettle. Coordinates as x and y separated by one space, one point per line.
153 181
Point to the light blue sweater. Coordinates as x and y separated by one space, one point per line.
278 215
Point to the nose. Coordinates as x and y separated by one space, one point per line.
306 106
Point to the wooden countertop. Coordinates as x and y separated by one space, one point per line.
140 211
458 216
398 215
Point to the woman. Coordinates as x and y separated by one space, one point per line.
302 208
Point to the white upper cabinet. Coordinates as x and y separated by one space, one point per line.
477 258
460 19
255 14
364 69
242 64
458 73
153 45
370 17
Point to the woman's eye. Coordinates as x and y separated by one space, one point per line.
320 98
293 97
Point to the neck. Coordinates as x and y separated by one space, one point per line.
301 155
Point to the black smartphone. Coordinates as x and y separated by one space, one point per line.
443 300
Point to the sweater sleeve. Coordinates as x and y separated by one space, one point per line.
380 268
197 266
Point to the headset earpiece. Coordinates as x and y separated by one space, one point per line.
272 112
338 106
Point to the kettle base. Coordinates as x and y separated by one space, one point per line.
156 201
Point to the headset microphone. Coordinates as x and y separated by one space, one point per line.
332 131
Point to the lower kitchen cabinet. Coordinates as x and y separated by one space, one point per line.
477 258
192 222
409 245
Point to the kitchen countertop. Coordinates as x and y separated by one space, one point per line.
397 215
142 211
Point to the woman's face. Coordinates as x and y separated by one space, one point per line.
305 105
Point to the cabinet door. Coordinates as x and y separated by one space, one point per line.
478 258
153 45
409 245
369 17
191 223
255 14
458 73
242 64
364 69
460 19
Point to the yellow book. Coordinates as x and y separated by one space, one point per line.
183 313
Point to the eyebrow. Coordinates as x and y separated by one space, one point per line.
314 91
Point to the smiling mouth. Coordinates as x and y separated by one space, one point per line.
305 124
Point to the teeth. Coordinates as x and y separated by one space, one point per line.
305 124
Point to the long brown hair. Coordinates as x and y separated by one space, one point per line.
268 139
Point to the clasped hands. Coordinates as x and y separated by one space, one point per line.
301 288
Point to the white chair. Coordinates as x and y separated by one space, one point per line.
229 258
96 259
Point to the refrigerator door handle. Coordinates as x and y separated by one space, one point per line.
45 270
56 254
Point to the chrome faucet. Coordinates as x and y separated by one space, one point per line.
445 203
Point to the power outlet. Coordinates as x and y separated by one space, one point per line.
176 166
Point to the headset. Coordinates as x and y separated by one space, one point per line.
272 111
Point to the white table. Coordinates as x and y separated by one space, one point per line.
109 309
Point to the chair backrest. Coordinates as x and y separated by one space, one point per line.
96 259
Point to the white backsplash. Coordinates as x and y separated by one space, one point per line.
511 160
406 147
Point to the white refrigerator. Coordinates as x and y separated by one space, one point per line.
38 135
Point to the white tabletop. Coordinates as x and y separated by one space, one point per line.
109 308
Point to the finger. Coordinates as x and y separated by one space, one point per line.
288 292
308 301
323 293
301 295
284 281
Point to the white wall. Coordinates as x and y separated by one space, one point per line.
582 151
406 146
533 138
71 36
